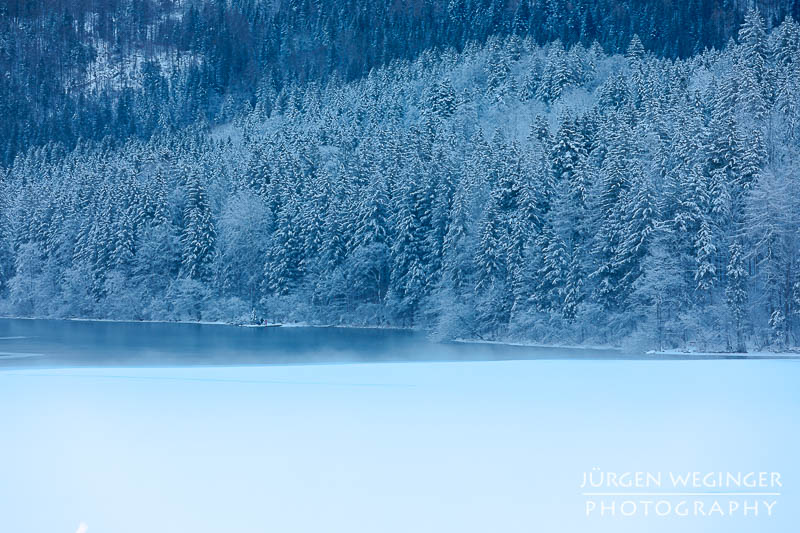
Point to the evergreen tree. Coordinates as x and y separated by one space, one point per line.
736 292
705 250
199 236
753 59
284 265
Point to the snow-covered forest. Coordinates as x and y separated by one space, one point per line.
73 70
514 187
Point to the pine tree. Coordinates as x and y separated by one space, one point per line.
786 42
615 180
736 292
199 236
752 158
490 261
284 266
499 82
442 101
456 252
705 250
556 75
753 59
124 251
411 255
6 235
635 50
553 275
370 250
637 235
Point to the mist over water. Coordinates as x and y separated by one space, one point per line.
73 343
58 343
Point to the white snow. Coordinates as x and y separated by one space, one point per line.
754 354
111 70
422 447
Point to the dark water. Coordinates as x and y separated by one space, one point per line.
65 343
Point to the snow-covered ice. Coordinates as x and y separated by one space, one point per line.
394 447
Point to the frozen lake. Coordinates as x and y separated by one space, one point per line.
151 428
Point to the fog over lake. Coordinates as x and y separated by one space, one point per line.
70 343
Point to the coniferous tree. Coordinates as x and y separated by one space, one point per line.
736 292
199 237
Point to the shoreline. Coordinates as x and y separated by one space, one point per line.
210 323
685 354
524 344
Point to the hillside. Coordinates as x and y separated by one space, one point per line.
115 69
504 191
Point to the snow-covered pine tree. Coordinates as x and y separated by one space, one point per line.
753 65
410 278
610 214
556 75
705 250
736 293
640 208
284 265
198 236
369 260
635 51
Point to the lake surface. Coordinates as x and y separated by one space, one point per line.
71 343
60 343
163 428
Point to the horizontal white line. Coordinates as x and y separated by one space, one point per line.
19 355
681 493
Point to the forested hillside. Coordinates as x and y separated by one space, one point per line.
504 191
74 70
